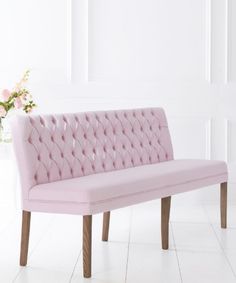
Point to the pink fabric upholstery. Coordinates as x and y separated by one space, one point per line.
128 186
57 147
91 162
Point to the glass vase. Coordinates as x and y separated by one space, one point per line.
5 133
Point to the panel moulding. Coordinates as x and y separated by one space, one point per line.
226 138
208 139
69 41
226 78
208 44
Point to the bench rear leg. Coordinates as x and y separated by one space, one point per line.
87 245
165 216
25 232
105 228
223 204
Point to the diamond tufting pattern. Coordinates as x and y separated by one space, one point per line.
57 147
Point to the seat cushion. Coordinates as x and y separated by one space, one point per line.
110 190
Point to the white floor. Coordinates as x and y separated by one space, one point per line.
199 250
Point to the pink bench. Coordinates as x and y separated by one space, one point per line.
87 163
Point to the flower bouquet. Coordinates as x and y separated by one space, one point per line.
18 98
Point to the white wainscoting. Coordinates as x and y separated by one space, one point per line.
109 54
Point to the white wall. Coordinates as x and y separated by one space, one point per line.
101 54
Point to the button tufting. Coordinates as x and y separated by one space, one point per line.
31 121
42 121
128 135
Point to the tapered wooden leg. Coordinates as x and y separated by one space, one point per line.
165 215
25 231
87 245
105 228
223 204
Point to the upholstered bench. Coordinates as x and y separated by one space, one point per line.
93 162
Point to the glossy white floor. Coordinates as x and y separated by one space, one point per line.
199 250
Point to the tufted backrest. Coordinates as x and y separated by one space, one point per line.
55 147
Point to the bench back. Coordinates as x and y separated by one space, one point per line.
55 147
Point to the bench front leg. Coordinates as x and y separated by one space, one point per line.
25 232
87 245
105 227
223 204
165 216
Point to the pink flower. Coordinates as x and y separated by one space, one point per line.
6 94
18 103
3 112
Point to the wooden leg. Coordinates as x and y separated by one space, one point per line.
25 231
105 228
165 215
223 204
87 244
